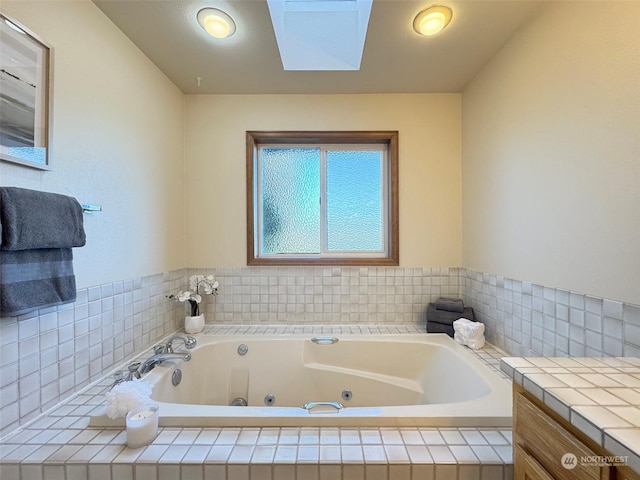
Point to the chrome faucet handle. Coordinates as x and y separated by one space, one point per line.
118 378
159 349
133 370
126 375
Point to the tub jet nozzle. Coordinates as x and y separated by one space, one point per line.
238 402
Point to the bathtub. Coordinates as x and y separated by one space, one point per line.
290 380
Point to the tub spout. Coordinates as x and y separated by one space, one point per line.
158 358
188 340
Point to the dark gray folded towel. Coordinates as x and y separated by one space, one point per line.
32 279
442 316
32 220
450 304
433 327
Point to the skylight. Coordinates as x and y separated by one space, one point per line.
320 34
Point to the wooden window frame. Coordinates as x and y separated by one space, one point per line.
256 139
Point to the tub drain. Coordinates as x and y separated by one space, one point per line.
347 395
269 399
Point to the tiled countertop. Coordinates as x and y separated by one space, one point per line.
599 396
61 445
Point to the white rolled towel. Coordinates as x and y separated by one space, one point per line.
459 331
475 335
475 343
469 333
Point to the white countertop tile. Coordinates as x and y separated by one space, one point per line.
632 397
571 396
601 395
629 413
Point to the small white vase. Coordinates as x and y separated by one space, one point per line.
194 324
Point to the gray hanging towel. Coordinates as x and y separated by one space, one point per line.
31 220
31 279
38 230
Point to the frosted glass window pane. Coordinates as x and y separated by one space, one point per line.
290 194
354 201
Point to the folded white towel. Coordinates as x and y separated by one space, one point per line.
469 333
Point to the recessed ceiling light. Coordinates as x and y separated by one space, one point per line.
432 20
216 22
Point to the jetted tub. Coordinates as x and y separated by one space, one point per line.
371 380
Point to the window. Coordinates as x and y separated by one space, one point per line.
322 198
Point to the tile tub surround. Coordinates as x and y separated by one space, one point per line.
46 356
598 396
520 317
49 354
61 445
526 319
326 295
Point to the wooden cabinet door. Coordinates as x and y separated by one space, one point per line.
625 473
549 443
527 467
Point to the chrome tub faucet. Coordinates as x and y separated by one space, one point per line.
158 358
162 353
188 340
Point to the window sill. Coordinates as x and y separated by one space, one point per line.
346 262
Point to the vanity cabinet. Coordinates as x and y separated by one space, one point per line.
527 467
547 447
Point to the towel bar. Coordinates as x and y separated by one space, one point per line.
90 208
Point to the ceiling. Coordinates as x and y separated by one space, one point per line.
395 58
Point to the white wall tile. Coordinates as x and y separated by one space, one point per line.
469 472
122 472
422 472
445 472
210 472
237 472
99 472
281 472
562 323
53 472
79 338
32 472
190 472
261 472
328 472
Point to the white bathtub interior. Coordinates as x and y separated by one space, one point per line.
393 380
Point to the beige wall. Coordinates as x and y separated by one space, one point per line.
551 153
550 149
430 176
117 142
